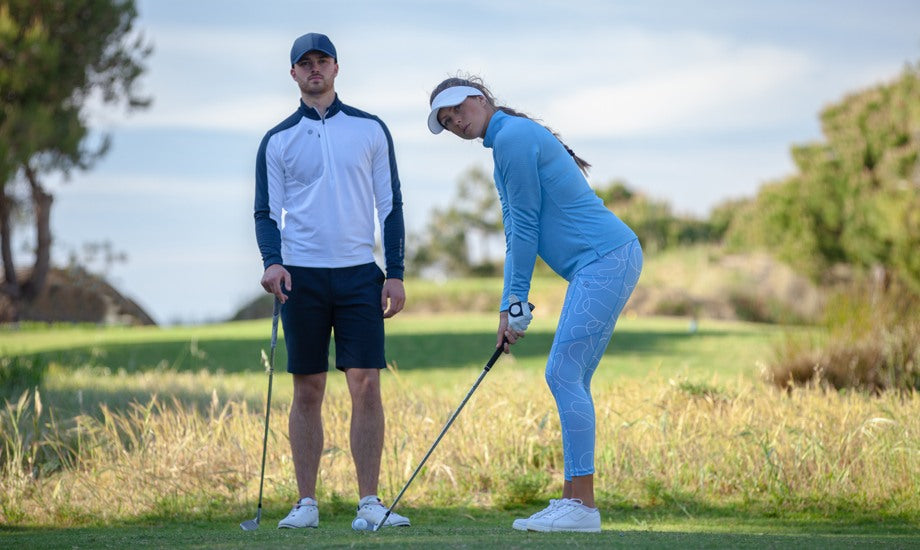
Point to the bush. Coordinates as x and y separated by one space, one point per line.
872 343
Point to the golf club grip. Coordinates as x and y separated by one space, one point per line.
276 312
495 355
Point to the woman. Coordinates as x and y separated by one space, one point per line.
549 209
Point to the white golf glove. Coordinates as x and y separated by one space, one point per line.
519 314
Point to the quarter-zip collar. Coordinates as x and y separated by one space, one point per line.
498 120
313 114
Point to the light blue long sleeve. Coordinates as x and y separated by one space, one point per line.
548 208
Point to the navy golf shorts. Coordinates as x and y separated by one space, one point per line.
344 301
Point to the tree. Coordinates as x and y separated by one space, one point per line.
855 198
653 221
56 58
457 240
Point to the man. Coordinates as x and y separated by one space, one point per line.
320 175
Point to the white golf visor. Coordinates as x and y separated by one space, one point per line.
448 98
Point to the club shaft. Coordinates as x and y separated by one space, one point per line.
265 437
268 400
495 356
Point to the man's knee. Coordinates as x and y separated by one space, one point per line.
364 384
309 389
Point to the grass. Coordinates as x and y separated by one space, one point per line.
413 341
119 366
152 437
475 528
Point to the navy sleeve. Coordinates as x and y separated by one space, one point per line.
268 235
393 230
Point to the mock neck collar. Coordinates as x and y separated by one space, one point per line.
313 114
498 120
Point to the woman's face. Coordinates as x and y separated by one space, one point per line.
468 120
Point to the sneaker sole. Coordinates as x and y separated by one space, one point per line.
400 524
389 523
569 530
297 527
520 524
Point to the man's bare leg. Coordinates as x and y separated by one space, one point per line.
367 425
305 429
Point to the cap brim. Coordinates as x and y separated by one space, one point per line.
448 98
433 123
308 50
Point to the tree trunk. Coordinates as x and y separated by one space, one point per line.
9 290
41 204
6 247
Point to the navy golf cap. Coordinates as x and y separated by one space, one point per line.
308 43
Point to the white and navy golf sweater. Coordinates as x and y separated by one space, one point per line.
318 181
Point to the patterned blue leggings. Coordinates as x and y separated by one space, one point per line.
593 302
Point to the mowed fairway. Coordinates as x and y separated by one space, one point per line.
152 438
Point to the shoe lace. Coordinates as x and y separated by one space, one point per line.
372 505
552 505
563 507
299 504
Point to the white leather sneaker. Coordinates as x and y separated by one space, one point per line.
568 515
521 523
303 514
371 510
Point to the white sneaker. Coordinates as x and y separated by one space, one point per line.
521 523
303 514
568 515
371 510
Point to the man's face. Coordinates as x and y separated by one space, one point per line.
315 73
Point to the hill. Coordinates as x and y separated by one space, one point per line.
76 296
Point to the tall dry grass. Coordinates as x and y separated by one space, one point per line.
693 445
870 342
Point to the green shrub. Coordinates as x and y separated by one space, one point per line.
872 342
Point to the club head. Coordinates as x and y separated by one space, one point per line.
249 525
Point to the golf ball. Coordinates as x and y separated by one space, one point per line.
359 524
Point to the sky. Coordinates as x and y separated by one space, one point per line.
688 102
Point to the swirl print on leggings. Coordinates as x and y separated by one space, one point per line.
595 297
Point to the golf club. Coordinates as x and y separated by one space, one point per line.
253 524
492 360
